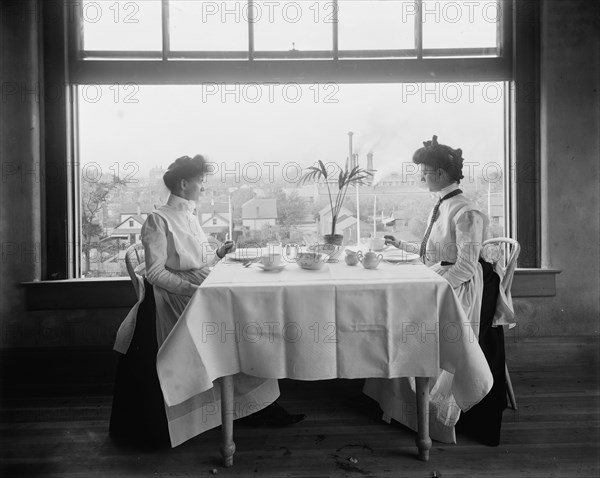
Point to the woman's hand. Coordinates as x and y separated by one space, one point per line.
225 248
392 241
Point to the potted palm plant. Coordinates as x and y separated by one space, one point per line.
345 178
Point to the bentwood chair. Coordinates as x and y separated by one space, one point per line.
504 252
134 261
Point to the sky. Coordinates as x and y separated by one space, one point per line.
220 121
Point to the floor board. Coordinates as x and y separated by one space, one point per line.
54 417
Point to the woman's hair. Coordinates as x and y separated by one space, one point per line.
184 168
441 156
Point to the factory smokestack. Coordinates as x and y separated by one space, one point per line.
370 162
350 153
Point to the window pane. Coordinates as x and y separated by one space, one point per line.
289 25
460 24
259 137
122 25
376 24
208 26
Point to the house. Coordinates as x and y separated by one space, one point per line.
130 228
259 212
214 217
346 224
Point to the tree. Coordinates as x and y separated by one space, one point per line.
290 210
93 197
238 198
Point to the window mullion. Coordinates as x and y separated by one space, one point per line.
166 36
250 29
335 30
74 181
419 28
504 30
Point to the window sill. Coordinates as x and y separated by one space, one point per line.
119 293
534 283
97 293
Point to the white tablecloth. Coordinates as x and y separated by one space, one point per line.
339 322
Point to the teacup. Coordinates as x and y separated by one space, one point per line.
271 261
352 257
376 243
274 246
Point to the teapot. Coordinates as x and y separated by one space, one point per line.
352 257
370 260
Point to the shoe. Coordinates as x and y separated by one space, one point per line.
274 416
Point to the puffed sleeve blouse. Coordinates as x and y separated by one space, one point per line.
175 246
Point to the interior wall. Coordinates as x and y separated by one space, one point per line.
21 189
570 152
20 207
570 161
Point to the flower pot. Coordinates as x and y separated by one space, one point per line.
332 246
335 239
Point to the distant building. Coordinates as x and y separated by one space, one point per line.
259 212
346 223
309 192
156 173
130 228
125 215
214 217
397 182
496 208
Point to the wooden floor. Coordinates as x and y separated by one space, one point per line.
56 404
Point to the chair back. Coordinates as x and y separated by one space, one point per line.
504 251
134 261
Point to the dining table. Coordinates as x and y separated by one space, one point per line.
399 319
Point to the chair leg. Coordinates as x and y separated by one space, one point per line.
509 389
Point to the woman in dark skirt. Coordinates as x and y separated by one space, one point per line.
451 247
484 421
138 411
178 256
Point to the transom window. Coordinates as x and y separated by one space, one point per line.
282 29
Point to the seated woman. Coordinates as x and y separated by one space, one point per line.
451 247
178 256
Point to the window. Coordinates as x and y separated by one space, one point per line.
257 29
209 61
460 24
389 121
207 26
121 27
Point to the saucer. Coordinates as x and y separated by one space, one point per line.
278 268
397 257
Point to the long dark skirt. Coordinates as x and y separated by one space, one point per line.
138 412
483 422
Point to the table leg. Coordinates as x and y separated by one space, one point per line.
423 441
227 445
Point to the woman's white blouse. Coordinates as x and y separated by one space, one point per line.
456 238
174 242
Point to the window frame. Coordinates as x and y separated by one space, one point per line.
517 64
